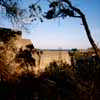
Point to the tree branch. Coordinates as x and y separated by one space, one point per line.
82 16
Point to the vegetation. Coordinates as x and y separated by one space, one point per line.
27 86
7 54
24 57
59 81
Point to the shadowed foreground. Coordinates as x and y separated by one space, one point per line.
45 87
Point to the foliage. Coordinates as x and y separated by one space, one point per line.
74 50
25 59
55 67
85 64
86 69
65 80
56 83
4 71
6 58
27 87
35 11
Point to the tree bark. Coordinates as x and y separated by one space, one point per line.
88 33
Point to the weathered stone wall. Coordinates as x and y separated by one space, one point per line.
15 42
10 43
50 56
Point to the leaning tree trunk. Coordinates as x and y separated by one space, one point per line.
89 34
82 16
92 43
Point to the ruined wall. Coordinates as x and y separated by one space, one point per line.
50 56
13 41
10 43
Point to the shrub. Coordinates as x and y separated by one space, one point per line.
67 85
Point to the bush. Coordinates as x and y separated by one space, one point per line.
86 68
67 85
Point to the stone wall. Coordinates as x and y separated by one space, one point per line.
10 44
15 41
50 56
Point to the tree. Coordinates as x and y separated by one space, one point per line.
24 57
58 8
70 11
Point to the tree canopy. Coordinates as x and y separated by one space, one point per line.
35 10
